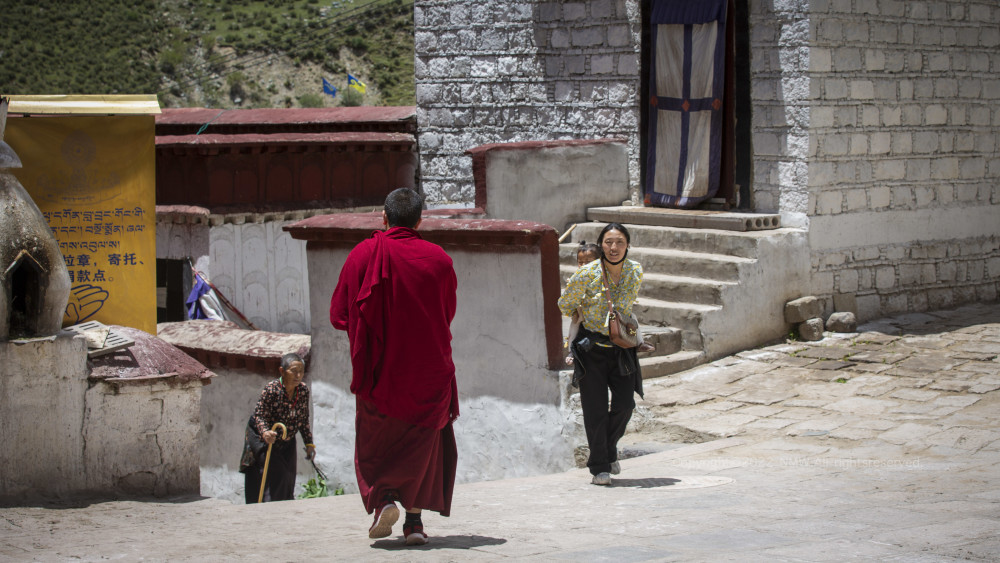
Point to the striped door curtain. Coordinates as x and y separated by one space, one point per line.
686 102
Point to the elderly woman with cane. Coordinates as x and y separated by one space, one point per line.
604 349
283 402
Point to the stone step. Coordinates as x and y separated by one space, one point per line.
689 264
683 316
660 366
673 288
706 241
666 340
683 289
669 261
657 314
685 218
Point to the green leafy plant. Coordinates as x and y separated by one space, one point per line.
316 488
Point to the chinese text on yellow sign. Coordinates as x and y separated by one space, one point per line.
94 180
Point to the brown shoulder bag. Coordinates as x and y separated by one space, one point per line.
624 332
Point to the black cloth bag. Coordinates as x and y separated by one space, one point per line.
253 446
628 358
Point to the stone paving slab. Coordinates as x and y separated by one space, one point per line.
932 342
951 385
924 363
877 357
979 367
991 349
723 406
881 337
826 353
984 387
911 380
871 368
861 406
919 395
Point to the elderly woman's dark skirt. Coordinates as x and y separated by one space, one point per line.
280 484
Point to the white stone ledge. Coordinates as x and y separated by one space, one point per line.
903 227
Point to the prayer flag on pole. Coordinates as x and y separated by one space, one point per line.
356 84
329 88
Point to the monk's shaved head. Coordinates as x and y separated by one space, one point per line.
403 207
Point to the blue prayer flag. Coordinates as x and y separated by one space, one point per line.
329 88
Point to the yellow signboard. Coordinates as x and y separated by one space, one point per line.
94 180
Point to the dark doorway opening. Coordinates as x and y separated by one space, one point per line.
173 284
26 280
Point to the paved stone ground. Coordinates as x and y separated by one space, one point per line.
876 446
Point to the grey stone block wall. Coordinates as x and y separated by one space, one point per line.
780 41
505 71
890 279
904 112
904 130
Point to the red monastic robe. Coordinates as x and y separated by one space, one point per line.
396 300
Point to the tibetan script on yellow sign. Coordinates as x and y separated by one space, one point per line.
93 178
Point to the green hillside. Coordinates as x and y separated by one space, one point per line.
234 53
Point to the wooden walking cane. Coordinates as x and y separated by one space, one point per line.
267 459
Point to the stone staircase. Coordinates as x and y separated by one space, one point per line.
694 264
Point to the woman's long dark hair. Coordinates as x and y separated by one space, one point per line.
614 227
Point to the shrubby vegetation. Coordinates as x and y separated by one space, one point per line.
101 47
219 53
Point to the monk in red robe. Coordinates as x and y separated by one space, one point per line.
396 299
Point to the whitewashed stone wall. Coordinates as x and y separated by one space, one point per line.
42 387
497 439
263 272
71 436
142 437
904 148
255 264
179 241
501 71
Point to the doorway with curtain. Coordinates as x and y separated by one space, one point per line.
694 138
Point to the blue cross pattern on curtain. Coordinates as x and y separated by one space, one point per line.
686 85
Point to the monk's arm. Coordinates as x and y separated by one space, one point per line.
451 296
345 293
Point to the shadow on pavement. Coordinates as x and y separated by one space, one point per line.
644 483
84 500
440 542
933 322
